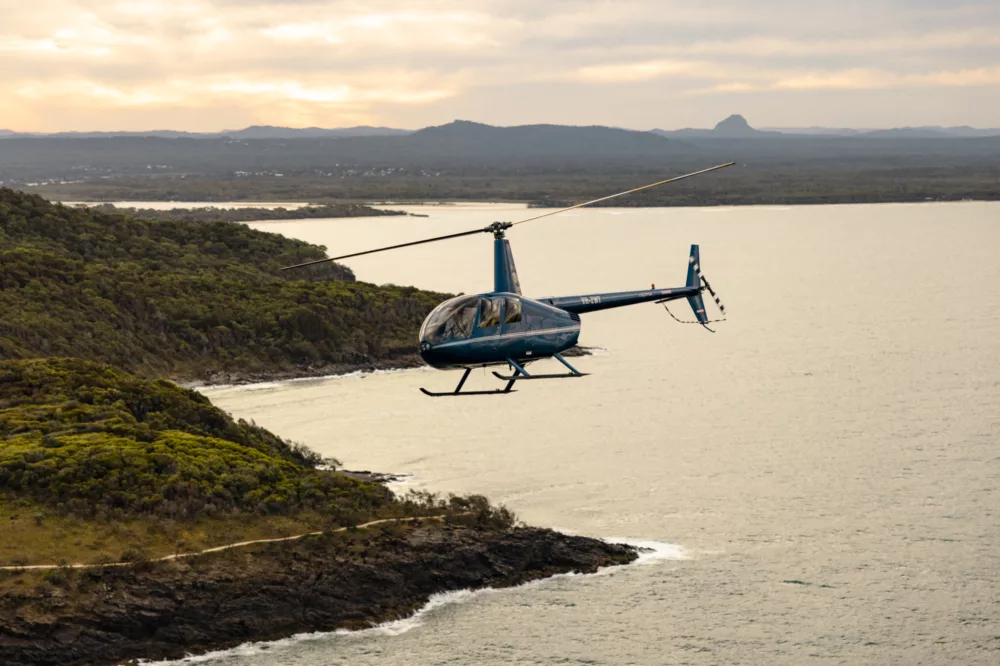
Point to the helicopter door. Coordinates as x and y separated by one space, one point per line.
490 311
513 313
513 316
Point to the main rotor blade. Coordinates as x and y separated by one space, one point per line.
391 247
635 189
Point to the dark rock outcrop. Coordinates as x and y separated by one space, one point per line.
351 580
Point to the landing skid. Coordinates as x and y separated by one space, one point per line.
520 374
521 378
461 383
439 394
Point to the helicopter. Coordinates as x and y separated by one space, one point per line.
505 328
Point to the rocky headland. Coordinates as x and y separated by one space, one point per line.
141 522
350 580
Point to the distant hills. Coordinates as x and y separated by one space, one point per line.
465 138
735 126
252 132
537 163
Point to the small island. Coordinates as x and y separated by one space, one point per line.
249 213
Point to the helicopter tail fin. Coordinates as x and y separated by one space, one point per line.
694 280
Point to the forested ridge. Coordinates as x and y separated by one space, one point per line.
186 299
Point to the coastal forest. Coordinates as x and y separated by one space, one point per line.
140 521
102 455
188 299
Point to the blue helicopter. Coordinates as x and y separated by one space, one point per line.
505 328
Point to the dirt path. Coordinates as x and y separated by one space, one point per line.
240 544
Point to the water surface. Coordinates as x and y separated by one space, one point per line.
827 463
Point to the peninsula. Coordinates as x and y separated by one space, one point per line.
140 521
124 482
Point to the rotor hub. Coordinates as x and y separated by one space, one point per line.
497 228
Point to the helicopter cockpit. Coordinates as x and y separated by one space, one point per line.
452 320
456 319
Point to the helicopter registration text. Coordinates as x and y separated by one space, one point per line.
590 300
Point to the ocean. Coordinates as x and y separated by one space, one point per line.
817 482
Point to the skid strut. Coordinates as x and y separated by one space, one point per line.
520 374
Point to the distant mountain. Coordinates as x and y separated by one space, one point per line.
456 145
462 147
816 131
736 127
553 137
253 132
470 139
163 134
733 127
923 132
270 132
931 132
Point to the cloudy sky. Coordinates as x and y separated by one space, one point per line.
206 65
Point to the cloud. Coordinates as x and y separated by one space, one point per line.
396 62
859 79
653 69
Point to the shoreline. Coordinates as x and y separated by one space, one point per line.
224 380
327 583
331 371
648 551
529 204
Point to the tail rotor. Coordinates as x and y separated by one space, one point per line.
696 279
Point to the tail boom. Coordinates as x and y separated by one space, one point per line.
594 302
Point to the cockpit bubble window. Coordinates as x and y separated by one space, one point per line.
452 320
489 312
513 313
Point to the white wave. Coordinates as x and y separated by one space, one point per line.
649 551
397 627
401 484
599 351
653 551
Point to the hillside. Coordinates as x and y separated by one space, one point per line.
99 468
140 521
99 465
187 300
88 439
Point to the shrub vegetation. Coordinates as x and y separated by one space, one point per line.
186 299
87 439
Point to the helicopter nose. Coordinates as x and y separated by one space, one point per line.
427 352
436 358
